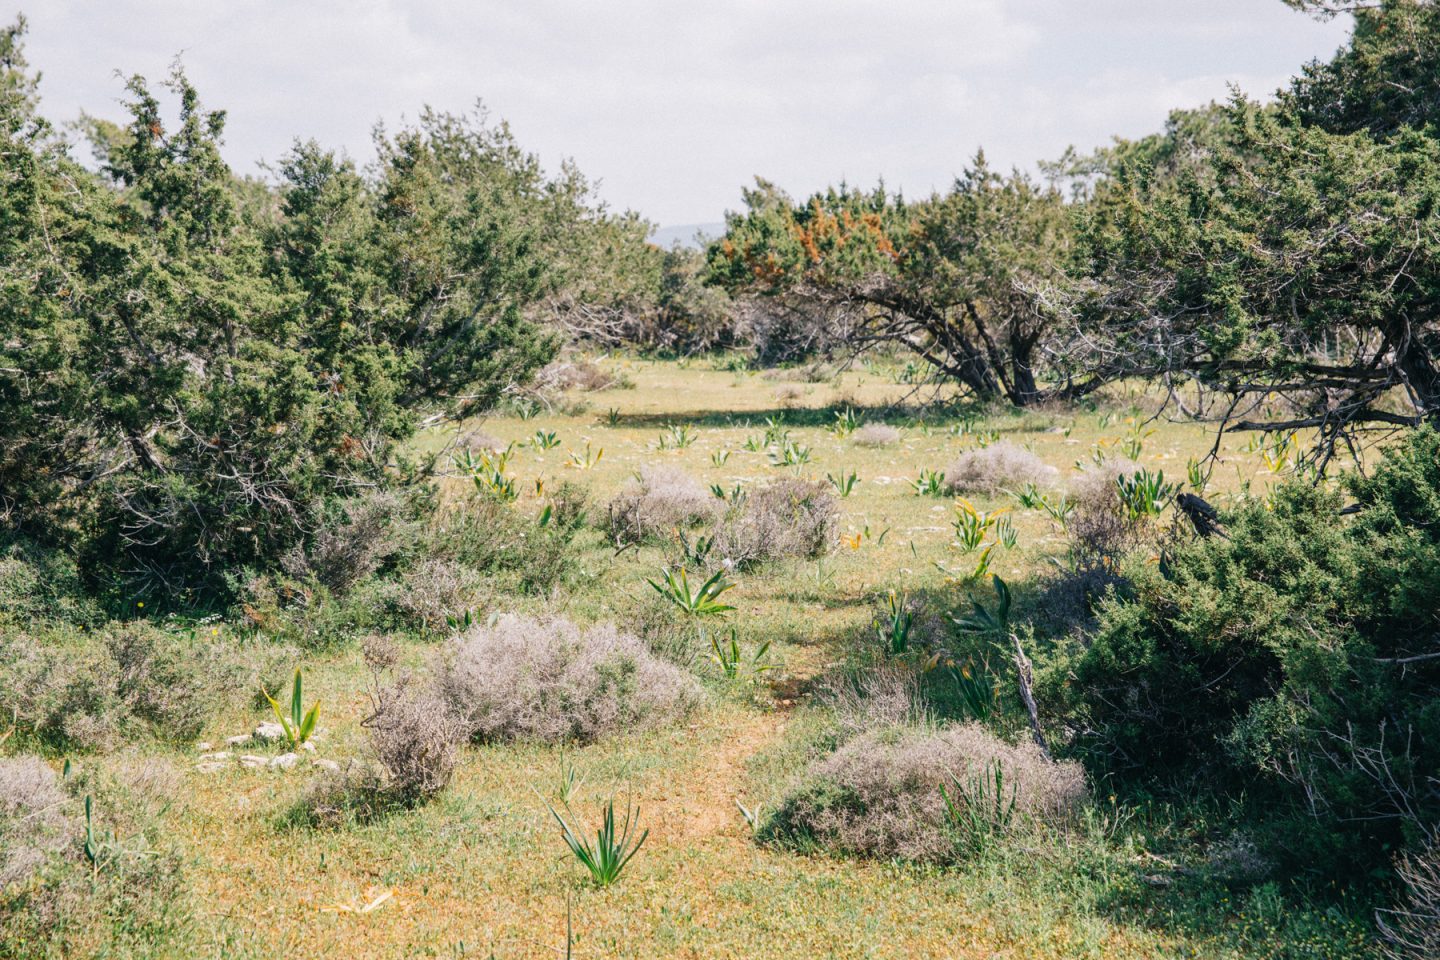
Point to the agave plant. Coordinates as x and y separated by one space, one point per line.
545 440
893 629
613 848
930 483
845 484
1144 494
982 619
730 659
301 723
702 601
973 525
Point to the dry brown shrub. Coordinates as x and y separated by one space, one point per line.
999 467
562 375
550 681
879 795
416 739
887 695
661 500
433 590
785 519
36 818
375 527
1412 928
1100 530
875 435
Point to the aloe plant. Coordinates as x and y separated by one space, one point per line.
300 724
982 619
545 440
613 848
718 457
588 459
789 454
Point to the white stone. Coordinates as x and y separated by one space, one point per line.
221 755
269 731
204 746
285 761
238 740
324 764
307 745
250 760
210 766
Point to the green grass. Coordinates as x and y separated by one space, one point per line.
482 869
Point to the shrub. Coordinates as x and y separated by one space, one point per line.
1412 930
415 738
875 435
879 795
1289 661
36 819
550 681
1101 530
787 518
56 901
996 468
367 531
40 584
875 697
124 680
128 677
491 537
432 591
561 375
658 502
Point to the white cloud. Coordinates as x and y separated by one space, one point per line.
675 106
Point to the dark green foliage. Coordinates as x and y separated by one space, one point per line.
1297 659
951 277
196 370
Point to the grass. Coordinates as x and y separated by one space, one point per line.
479 870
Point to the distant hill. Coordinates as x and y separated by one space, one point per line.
685 234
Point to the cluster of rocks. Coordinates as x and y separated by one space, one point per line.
212 760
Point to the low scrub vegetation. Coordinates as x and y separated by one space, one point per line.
786 519
890 793
997 468
551 681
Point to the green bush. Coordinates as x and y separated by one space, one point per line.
1294 660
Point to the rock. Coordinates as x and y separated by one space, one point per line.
250 760
211 766
268 730
285 761
327 765
222 755
307 745
238 740
204 746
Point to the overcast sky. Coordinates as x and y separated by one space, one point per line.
674 105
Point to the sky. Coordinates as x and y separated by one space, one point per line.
674 105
